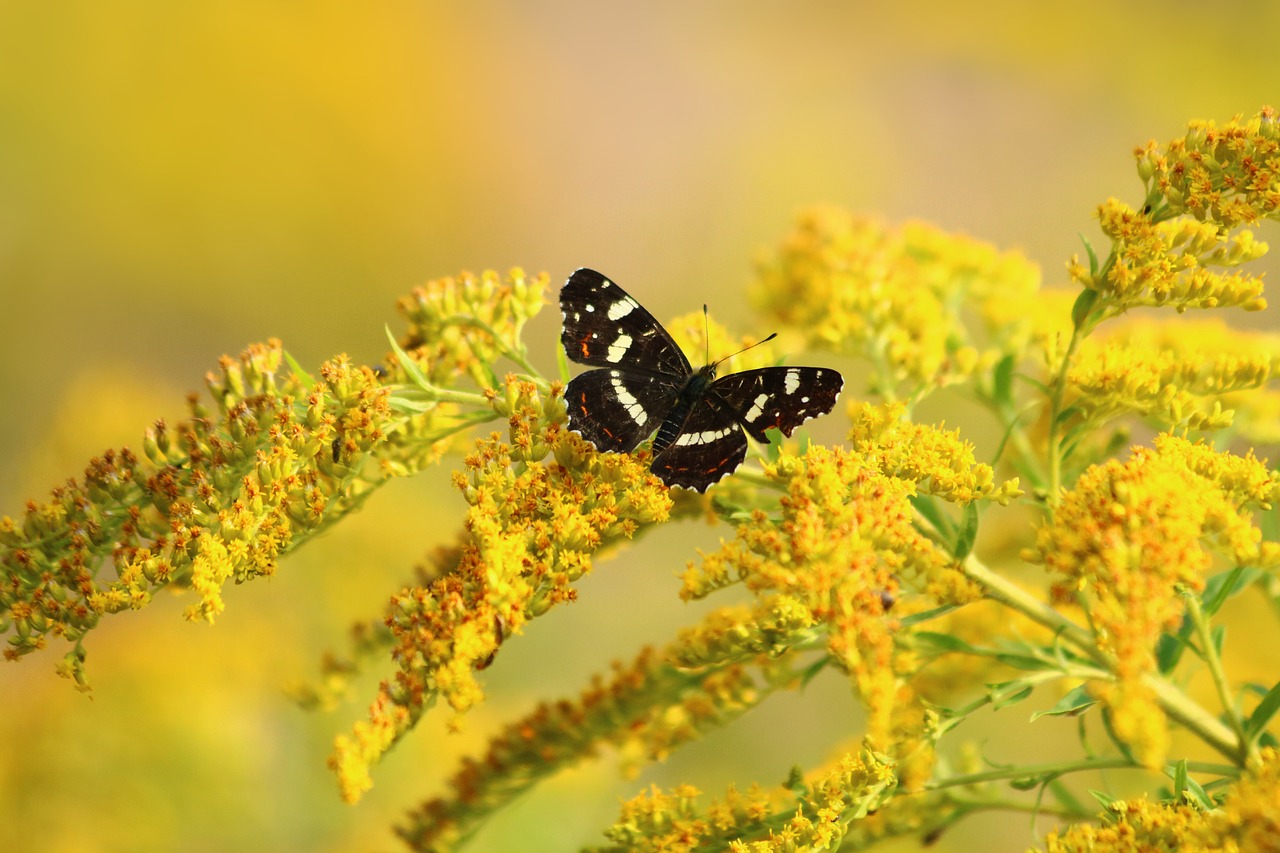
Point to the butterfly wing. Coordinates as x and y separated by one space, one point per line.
708 446
605 327
781 397
615 409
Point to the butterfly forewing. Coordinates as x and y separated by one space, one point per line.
778 397
616 410
605 327
708 446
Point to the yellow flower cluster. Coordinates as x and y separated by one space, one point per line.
894 296
1171 263
461 326
842 537
818 818
1128 536
937 461
218 498
1247 820
645 709
1194 374
532 526
1229 175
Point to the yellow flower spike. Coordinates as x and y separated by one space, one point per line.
1130 535
938 462
894 296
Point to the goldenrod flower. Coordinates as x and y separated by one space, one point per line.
1229 175
818 817
1171 264
937 461
893 296
842 536
1184 375
532 527
1247 820
1129 535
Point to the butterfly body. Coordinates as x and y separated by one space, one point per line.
643 382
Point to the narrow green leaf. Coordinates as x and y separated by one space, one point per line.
1222 586
968 532
1178 772
1077 701
411 368
1200 795
1263 714
926 615
1093 256
1083 306
1012 698
307 380
1169 647
1026 662
940 643
812 671
928 507
1002 379
1105 799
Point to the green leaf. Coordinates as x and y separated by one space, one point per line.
1222 586
1093 256
307 380
932 641
1178 772
1263 714
1002 379
926 615
1083 306
1169 647
1105 799
812 671
411 368
928 507
968 532
1077 701
1013 698
1030 663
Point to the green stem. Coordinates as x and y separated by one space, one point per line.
1245 749
1176 704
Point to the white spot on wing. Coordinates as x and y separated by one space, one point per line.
629 402
792 380
618 349
703 437
591 308
621 308
757 408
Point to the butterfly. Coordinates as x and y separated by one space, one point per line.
643 383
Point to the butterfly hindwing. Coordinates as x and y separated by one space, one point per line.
605 327
616 410
709 445
778 397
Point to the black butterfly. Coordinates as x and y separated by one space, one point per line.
646 383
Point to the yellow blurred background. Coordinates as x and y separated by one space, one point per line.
180 179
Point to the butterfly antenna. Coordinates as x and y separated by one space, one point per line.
744 349
706 334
